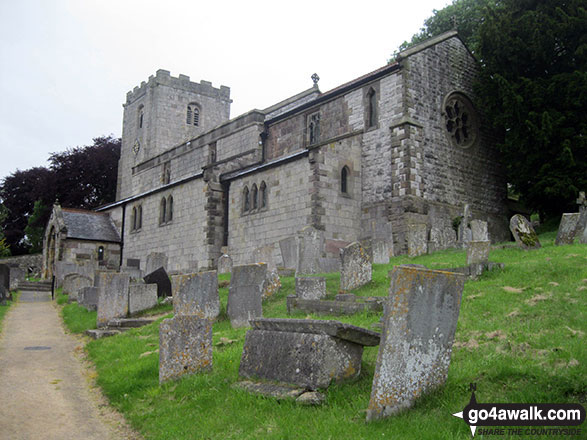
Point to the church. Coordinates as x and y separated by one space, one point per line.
394 155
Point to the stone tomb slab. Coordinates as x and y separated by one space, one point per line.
196 294
524 233
356 267
567 229
245 294
141 297
112 297
419 325
185 347
159 277
329 307
305 353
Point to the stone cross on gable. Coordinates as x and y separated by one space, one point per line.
315 79
582 201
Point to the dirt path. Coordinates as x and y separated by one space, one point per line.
44 390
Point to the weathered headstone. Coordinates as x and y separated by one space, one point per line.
465 235
245 293
185 346
141 297
5 276
567 229
88 297
264 254
478 252
289 252
17 275
224 264
524 233
134 272
159 277
73 282
156 260
310 287
479 231
303 352
417 239
416 343
112 297
356 267
442 236
310 249
380 250
196 294
581 229
271 285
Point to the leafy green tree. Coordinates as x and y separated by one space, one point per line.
35 228
4 248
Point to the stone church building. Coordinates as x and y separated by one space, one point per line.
394 154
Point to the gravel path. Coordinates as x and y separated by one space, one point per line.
45 391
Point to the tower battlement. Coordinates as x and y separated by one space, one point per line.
182 82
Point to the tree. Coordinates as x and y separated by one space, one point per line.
4 249
35 228
532 89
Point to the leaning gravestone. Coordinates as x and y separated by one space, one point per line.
155 260
567 229
289 252
310 287
141 297
310 248
112 297
356 269
271 285
417 239
185 346
159 277
419 325
523 232
88 297
73 282
224 264
196 294
245 294
478 252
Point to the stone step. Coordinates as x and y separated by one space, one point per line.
42 286
102 333
130 322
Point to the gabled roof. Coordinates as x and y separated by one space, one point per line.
89 225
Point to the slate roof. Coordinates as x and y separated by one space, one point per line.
89 225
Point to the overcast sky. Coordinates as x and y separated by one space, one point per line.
66 65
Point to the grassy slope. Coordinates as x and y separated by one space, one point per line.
524 346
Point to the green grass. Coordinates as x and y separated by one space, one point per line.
521 346
76 318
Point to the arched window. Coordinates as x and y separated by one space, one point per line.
254 195
193 114
140 217
101 253
344 176
141 115
170 208
263 195
133 221
246 200
162 211
371 108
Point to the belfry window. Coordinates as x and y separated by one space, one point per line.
193 115
263 195
141 115
162 211
254 194
140 217
134 220
246 199
169 208
371 108
344 176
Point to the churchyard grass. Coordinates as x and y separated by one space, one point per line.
520 338
76 318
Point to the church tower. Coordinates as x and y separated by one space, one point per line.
162 113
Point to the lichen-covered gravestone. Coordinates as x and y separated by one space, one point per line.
310 287
356 268
478 252
245 294
271 285
141 297
310 247
185 346
524 233
419 325
567 229
196 294
112 297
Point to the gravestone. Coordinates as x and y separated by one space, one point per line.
196 294
156 260
356 269
224 264
304 352
3 295
185 346
159 277
478 252
381 241
141 297
417 239
310 287
17 275
419 325
5 276
442 236
112 297
567 229
289 252
134 272
73 282
264 254
479 231
380 250
465 235
245 294
581 229
310 249
524 233
271 285
88 297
